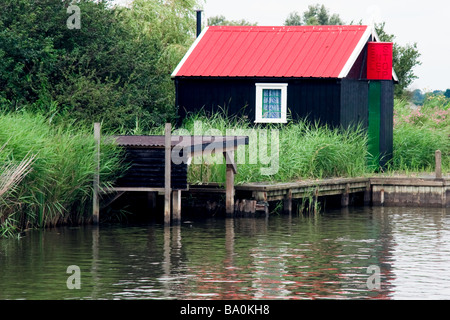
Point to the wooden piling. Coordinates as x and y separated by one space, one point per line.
231 171
345 197
151 199
287 203
438 159
167 172
96 182
176 206
368 196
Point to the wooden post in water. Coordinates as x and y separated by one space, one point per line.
367 195
176 206
95 199
287 202
231 171
167 172
345 197
438 169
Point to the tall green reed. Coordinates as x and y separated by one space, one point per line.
418 133
306 150
58 189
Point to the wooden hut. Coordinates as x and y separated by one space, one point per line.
337 75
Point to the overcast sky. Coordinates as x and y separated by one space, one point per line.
425 22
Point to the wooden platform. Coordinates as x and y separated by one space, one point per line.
301 189
158 164
426 191
378 191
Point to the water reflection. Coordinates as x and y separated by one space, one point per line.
283 257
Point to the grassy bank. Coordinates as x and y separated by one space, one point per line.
46 172
46 168
418 132
306 151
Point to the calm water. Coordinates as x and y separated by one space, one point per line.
326 256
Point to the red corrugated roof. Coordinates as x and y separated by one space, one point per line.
289 51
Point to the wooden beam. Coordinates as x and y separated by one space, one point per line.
167 172
229 158
345 197
231 170
96 182
176 206
438 159
151 199
287 202
368 196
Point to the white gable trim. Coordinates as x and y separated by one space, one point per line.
357 51
186 56
355 54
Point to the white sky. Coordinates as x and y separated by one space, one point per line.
425 22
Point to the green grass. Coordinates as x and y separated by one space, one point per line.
46 168
306 151
418 133
58 187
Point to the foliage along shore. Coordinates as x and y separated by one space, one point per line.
46 168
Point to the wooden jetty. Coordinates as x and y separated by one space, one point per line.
155 170
376 191
432 190
262 193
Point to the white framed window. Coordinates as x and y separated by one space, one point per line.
271 102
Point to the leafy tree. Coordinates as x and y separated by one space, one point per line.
315 15
447 93
116 68
405 58
319 15
418 97
220 20
293 19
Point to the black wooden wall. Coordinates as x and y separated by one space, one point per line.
147 170
317 99
335 102
354 103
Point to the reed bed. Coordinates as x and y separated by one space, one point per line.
418 132
47 171
305 151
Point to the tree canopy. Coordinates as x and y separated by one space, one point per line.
220 20
115 68
315 15
405 58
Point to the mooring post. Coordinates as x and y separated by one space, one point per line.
345 197
287 202
167 172
95 199
231 171
176 206
438 169
367 195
